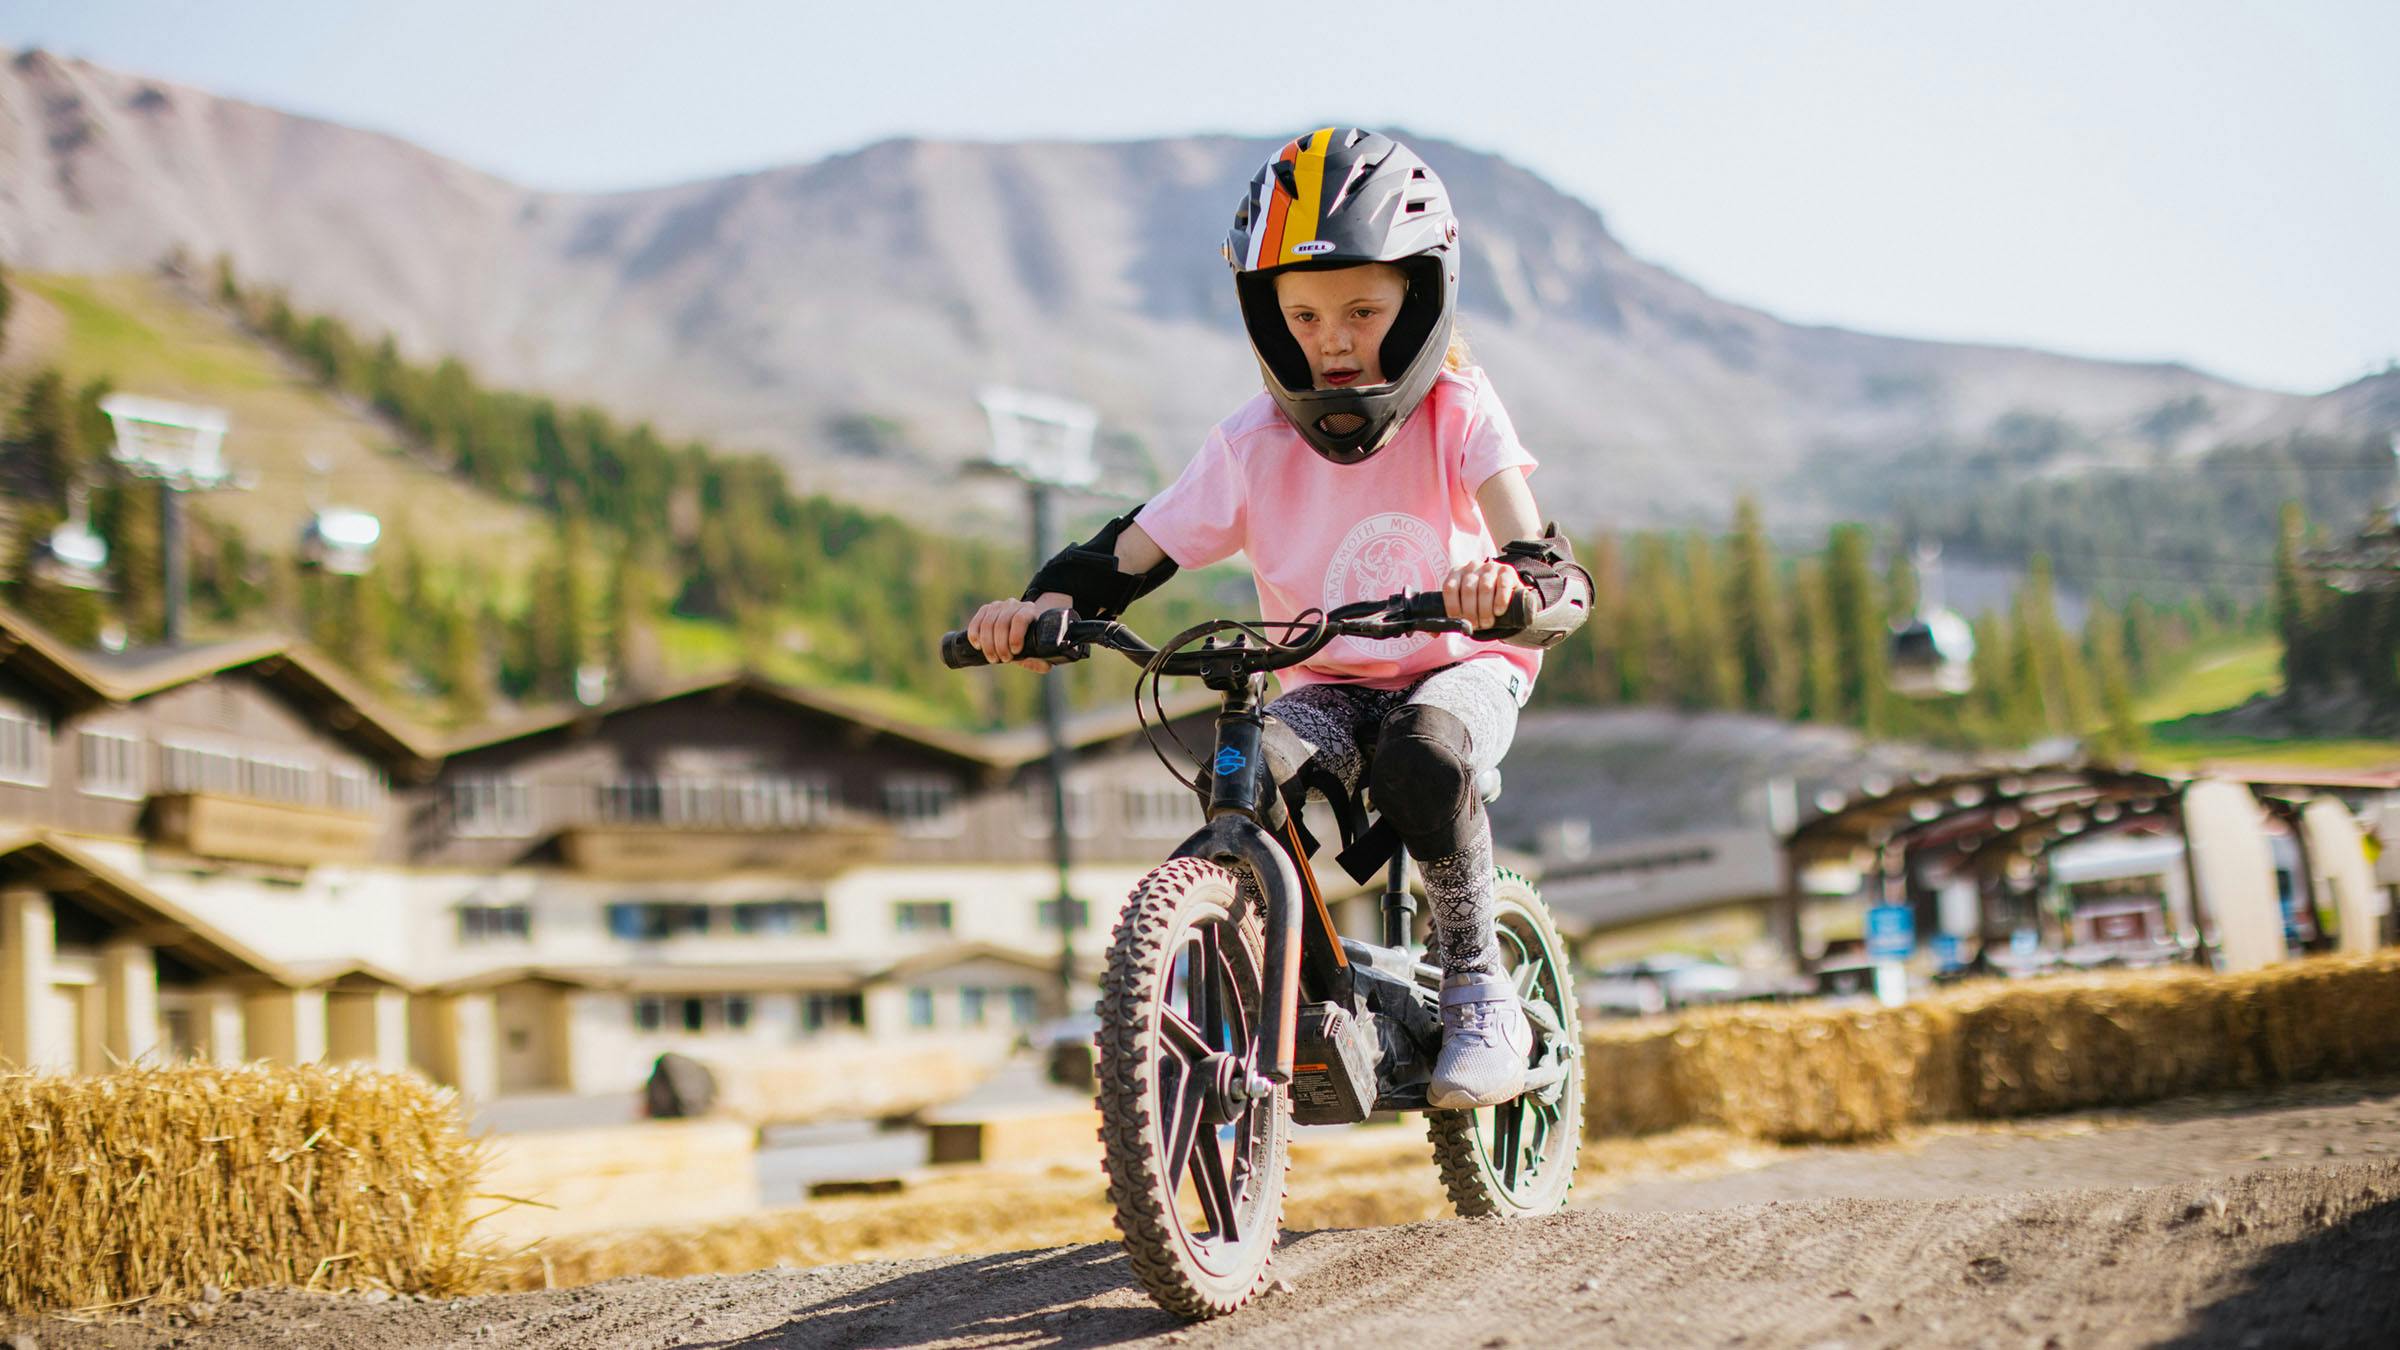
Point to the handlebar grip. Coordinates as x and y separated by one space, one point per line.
1426 605
1045 639
1518 614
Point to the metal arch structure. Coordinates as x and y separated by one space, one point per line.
1889 813
1994 812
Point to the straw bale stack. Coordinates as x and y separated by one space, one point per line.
157 1182
1831 1073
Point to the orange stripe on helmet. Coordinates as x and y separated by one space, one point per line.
1279 206
1308 175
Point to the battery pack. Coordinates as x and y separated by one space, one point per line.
1333 1066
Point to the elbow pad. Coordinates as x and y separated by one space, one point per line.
1558 592
1087 573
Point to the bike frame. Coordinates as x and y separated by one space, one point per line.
1303 952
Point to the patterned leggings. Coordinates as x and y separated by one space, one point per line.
1345 723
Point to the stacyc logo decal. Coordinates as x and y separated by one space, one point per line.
1230 759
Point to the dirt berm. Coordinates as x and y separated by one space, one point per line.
2291 1256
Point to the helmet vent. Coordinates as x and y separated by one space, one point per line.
1419 205
1341 423
1416 175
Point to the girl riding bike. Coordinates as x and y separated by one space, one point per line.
1377 460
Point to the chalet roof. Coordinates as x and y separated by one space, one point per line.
81 679
961 953
35 859
998 750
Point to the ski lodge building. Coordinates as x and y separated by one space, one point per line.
231 852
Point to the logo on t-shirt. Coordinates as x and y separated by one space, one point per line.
1383 554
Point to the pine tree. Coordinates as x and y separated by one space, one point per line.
2298 606
47 437
1712 661
1818 644
1759 630
1860 633
634 657
2120 734
464 676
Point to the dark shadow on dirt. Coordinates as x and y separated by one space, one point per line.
2338 1287
1019 1299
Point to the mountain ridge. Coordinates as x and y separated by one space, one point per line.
775 307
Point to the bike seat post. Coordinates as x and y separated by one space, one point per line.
1399 905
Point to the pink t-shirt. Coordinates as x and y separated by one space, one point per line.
1320 534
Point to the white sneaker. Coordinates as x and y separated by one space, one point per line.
1486 1044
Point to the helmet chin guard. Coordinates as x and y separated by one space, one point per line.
1343 197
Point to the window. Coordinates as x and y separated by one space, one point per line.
491 808
921 916
1080 911
772 917
478 923
1160 810
692 1014
655 920
110 764
1023 1007
352 789
821 1011
923 807
1034 808
24 749
970 1007
920 1007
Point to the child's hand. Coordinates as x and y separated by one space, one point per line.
1478 591
998 629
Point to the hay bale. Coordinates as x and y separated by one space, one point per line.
1831 1073
151 1183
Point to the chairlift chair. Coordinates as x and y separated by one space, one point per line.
340 540
1933 654
74 556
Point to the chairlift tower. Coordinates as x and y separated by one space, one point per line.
181 448
1046 443
2370 559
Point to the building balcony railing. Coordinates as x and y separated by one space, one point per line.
214 826
651 851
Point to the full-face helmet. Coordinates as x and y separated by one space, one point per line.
1339 197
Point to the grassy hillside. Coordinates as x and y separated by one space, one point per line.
146 336
2228 678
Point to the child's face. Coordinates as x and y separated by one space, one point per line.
1339 319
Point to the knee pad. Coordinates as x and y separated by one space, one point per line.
1424 780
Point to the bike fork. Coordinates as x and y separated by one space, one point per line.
1399 905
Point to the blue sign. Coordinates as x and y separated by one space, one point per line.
1949 951
1891 932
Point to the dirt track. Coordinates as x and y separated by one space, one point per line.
2279 1225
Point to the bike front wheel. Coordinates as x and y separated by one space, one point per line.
1195 1164
1517 1159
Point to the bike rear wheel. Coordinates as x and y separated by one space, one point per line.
1195 1169
1517 1159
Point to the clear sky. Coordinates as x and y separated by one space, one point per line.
2202 180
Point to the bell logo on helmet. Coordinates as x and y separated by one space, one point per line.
1314 246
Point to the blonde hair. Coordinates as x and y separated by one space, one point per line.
1459 357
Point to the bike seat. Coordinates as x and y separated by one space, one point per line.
1487 785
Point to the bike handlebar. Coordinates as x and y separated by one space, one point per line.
1056 635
